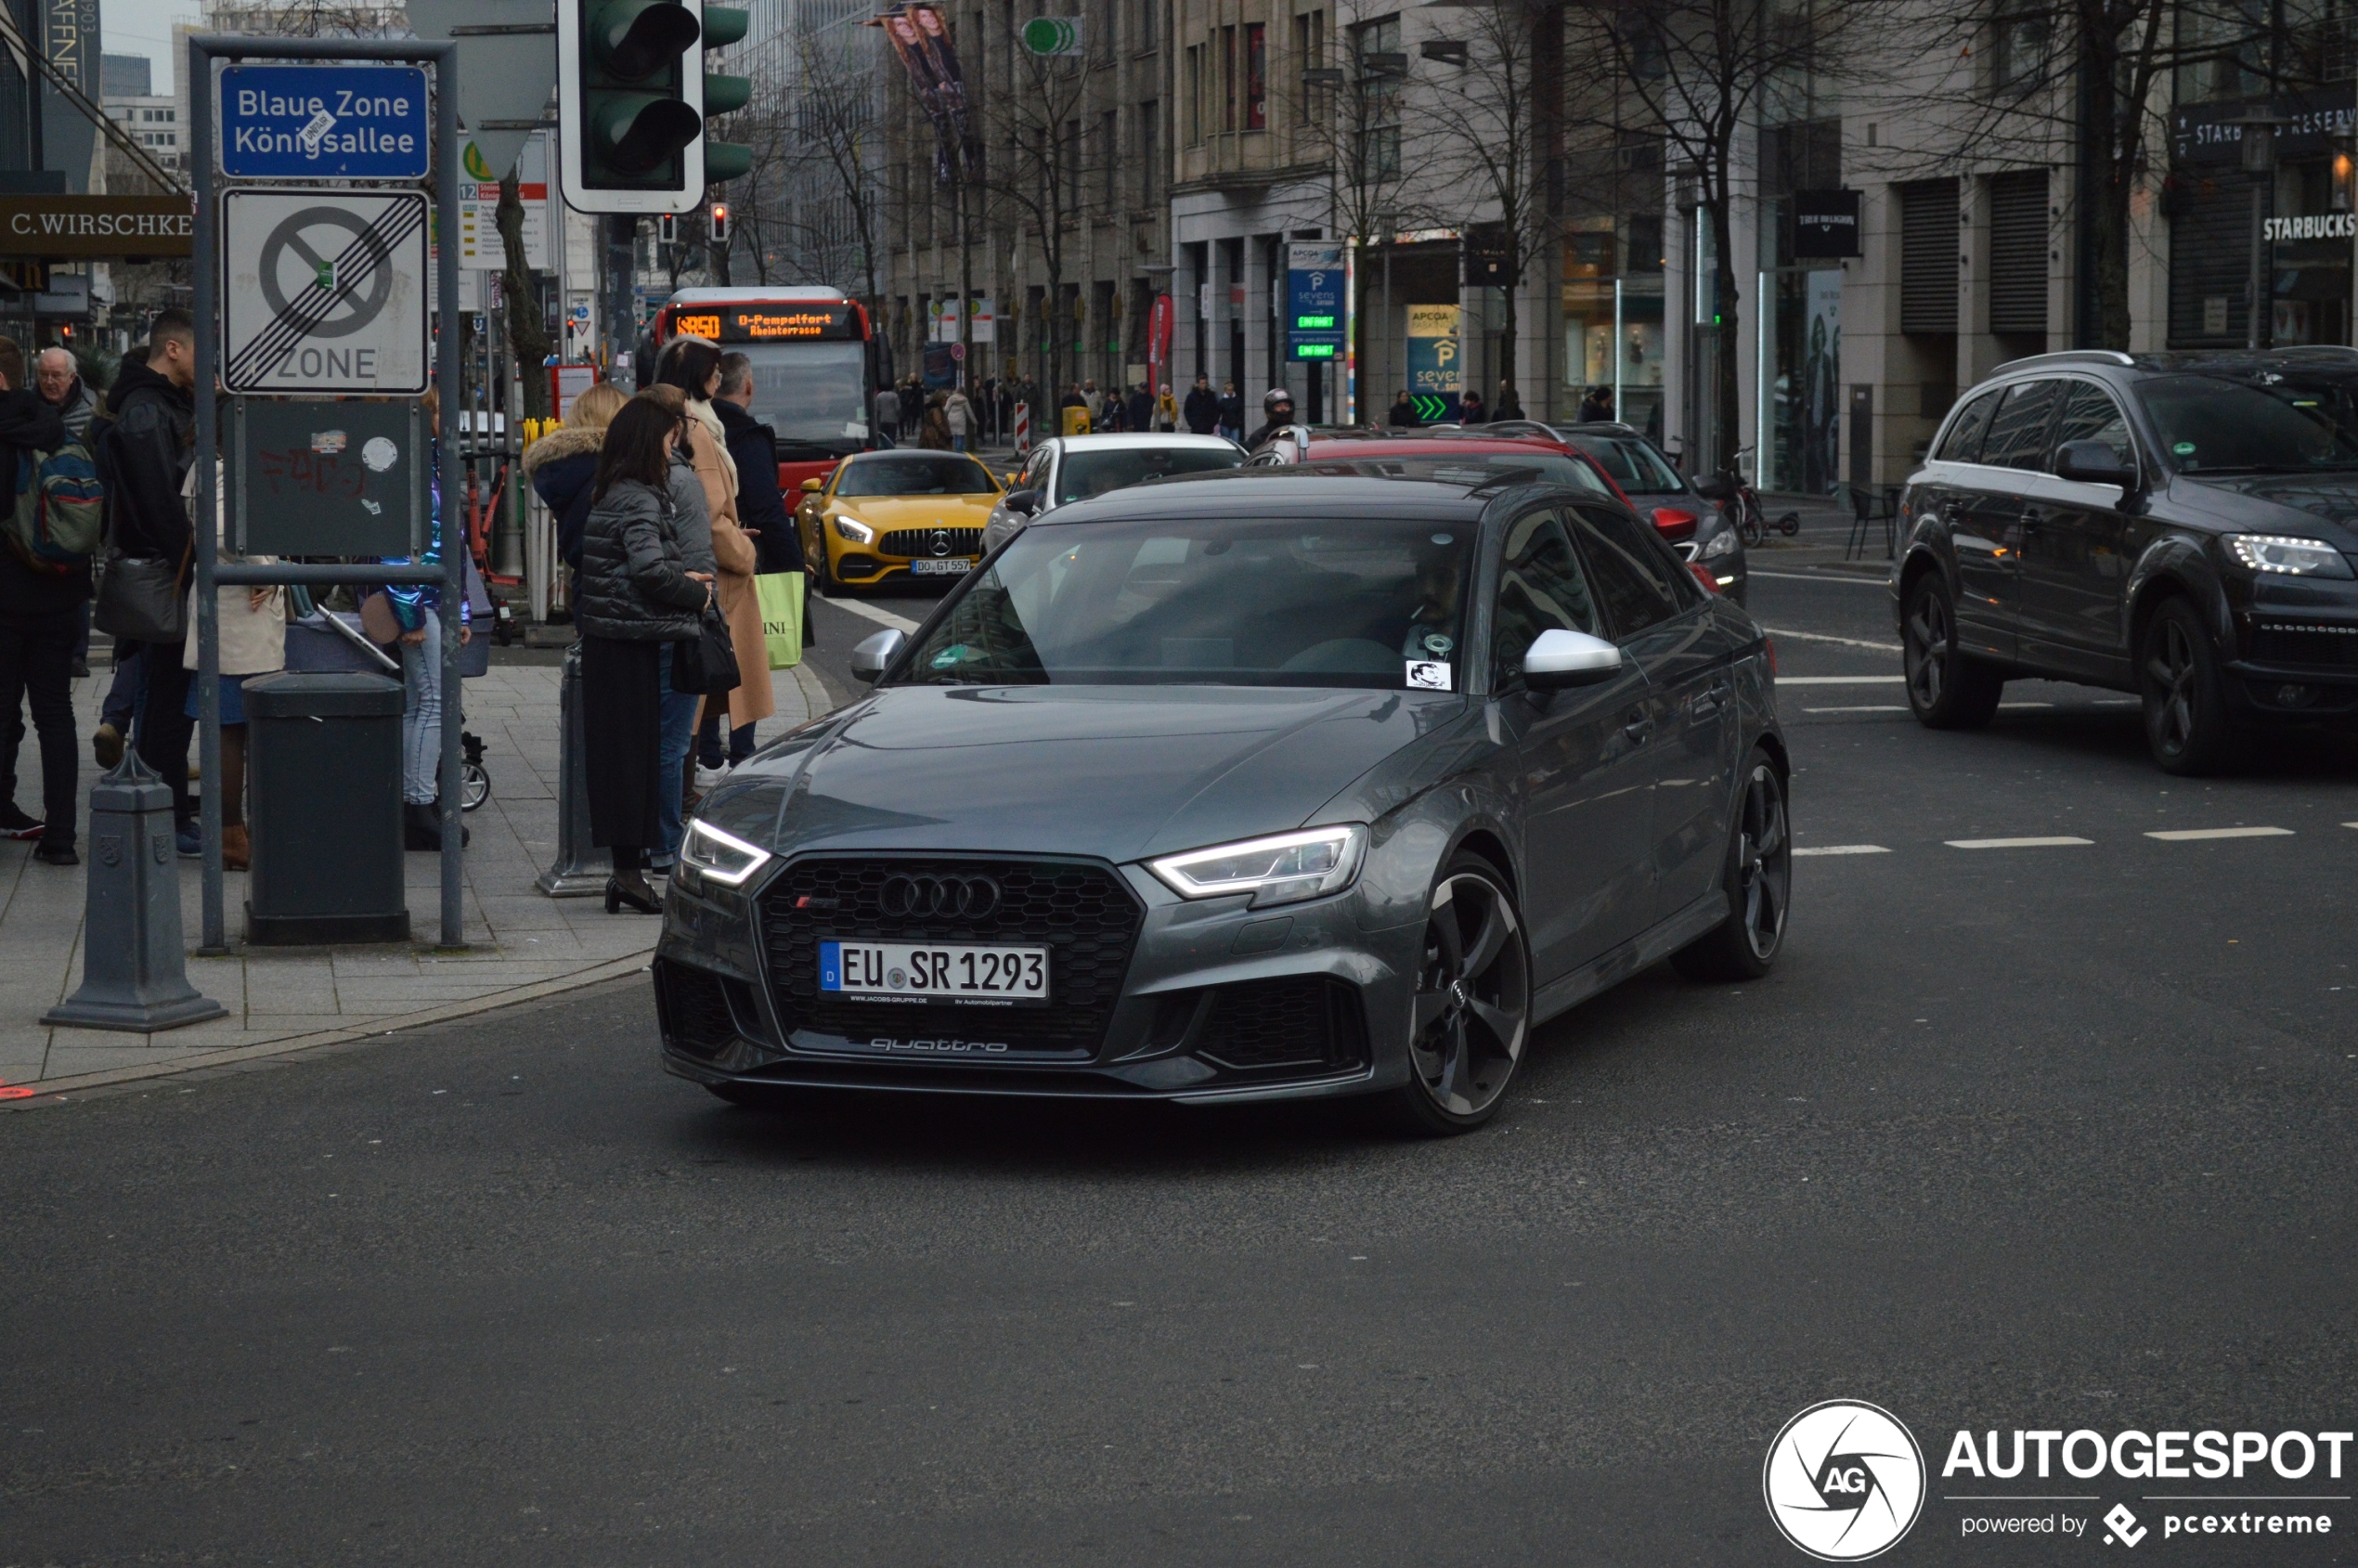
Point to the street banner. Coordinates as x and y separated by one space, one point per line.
1433 372
920 36
1158 344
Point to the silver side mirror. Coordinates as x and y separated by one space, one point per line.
874 654
1561 658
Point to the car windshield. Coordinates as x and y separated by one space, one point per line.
1373 604
1474 468
1635 466
2211 425
1093 474
914 473
810 392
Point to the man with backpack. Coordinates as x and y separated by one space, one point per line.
42 587
143 457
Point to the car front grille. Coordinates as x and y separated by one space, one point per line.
932 542
1083 911
2309 642
1293 1022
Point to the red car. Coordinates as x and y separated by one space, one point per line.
1450 454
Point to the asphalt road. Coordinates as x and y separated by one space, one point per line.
2052 1138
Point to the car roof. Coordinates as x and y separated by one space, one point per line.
1146 438
1426 446
1302 490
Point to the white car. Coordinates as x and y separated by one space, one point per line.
1073 468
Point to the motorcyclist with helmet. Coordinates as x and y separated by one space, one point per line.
1276 409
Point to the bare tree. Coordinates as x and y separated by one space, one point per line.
528 340
830 145
1698 73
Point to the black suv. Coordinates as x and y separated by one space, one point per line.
2178 526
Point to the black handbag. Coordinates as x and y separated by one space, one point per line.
139 598
705 665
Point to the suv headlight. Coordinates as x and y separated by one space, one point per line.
2286 555
1720 544
855 531
1283 869
720 857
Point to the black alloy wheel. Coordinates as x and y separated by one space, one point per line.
1759 884
2187 724
1947 689
1470 1018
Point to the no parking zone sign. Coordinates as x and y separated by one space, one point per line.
324 291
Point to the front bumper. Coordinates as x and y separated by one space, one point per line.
1197 1002
2295 658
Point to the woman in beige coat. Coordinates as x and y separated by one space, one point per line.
252 622
693 366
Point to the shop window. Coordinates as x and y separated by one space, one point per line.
1589 254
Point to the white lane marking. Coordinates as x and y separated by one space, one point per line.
2013 843
1821 578
1845 641
2025 705
1871 707
1845 849
1840 679
2187 834
882 618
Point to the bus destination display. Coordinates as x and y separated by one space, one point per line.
769 323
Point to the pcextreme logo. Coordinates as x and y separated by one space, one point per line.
1843 1481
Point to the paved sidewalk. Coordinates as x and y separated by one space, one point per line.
520 944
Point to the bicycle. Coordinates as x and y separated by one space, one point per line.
1741 502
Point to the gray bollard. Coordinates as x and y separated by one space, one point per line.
580 868
135 972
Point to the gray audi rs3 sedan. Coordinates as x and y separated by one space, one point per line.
1317 781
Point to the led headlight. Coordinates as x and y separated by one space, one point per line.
1279 870
2284 556
855 531
720 857
1721 543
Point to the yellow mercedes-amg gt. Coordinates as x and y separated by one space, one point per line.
882 515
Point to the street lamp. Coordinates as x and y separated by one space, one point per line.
2257 134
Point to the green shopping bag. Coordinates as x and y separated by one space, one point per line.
780 594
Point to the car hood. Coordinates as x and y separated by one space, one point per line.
917 511
1114 771
2277 502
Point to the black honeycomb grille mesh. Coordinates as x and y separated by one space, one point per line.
1083 913
919 541
1296 1020
694 1009
2294 642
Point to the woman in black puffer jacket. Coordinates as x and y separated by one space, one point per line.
636 593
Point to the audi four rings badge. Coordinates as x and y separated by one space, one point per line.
961 897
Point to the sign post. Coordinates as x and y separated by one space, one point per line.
320 166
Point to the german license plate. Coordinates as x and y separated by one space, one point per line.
956 566
913 972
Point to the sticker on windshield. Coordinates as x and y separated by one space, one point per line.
2184 449
1428 675
955 653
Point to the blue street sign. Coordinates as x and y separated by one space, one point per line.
309 121
1314 302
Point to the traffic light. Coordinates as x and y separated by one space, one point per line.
719 225
633 94
668 229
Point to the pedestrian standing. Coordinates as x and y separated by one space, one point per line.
958 414
1596 408
1232 412
888 413
912 407
40 618
417 608
1094 401
251 636
1510 406
60 384
1470 409
933 433
1403 412
636 596
143 459
1141 408
1166 409
563 465
1203 408
761 512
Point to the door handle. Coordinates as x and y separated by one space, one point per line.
1638 728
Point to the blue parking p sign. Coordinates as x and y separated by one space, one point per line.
337 122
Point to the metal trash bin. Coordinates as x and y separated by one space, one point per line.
325 759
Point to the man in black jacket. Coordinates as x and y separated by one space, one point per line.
143 460
1276 408
1203 408
40 623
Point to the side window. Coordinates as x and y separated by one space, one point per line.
1035 473
1541 589
1632 573
2018 434
1964 443
2090 414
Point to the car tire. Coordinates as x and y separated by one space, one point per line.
1948 688
1758 880
1469 1018
2188 726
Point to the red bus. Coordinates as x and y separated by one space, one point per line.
812 374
